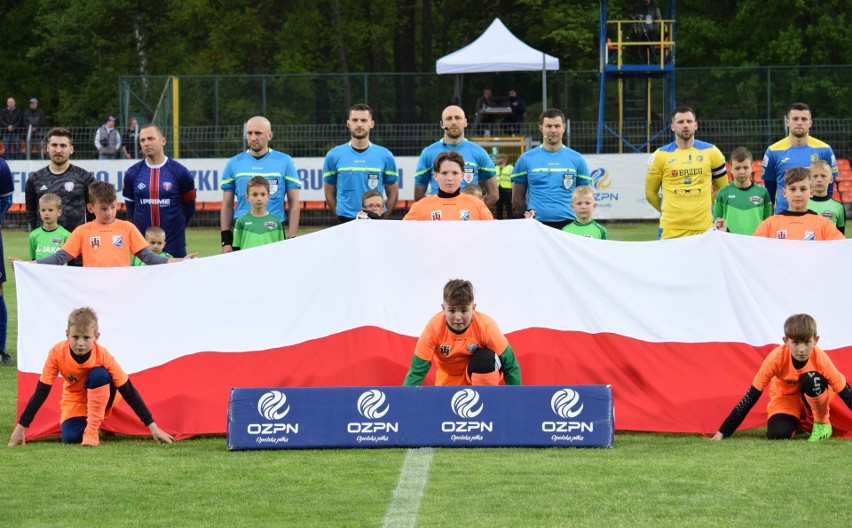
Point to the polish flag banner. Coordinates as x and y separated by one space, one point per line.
678 328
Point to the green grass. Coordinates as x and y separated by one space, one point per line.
646 480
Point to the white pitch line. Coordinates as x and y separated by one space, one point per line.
405 504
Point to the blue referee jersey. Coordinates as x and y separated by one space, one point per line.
278 168
478 165
355 173
551 178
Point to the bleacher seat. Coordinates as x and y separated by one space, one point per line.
843 164
757 172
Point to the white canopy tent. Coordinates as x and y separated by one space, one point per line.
498 50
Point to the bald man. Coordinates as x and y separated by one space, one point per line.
478 166
259 160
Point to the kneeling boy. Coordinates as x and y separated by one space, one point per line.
467 346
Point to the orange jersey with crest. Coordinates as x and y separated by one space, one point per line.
105 245
60 360
778 373
461 207
451 352
798 226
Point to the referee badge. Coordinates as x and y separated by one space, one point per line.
273 186
468 174
567 180
372 181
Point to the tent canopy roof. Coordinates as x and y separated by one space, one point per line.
496 50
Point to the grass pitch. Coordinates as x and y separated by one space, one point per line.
646 480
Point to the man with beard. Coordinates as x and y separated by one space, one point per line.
159 191
60 177
798 149
352 169
544 178
685 170
478 166
259 160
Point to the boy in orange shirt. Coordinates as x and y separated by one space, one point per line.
450 203
467 346
91 377
802 381
105 241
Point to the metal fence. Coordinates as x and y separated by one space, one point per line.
408 140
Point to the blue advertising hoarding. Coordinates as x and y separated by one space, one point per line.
359 417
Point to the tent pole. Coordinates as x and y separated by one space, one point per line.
543 81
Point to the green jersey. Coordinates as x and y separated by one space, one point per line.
136 261
742 209
45 243
252 231
590 230
831 209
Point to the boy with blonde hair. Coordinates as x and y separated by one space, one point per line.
47 239
91 377
583 204
155 236
821 203
257 227
802 380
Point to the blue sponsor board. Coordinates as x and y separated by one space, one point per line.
348 417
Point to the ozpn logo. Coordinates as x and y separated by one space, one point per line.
273 405
564 403
370 404
464 403
600 179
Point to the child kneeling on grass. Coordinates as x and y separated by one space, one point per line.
467 346
91 379
802 381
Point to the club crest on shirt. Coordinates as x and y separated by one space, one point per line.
781 233
464 215
117 240
273 187
444 349
436 215
567 180
810 235
829 214
270 225
372 181
95 242
71 378
167 186
468 175
756 200
69 186
56 241
472 347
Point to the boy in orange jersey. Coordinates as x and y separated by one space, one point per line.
450 203
802 381
466 346
106 241
91 377
796 222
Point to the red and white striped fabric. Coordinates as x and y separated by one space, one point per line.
678 327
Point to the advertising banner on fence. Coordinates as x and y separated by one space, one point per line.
618 180
543 416
678 328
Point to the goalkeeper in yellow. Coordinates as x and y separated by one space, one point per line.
686 171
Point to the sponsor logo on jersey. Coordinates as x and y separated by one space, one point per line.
69 186
155 201
140 185
117 240
784 160
95 242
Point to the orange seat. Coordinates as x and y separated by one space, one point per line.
846 197
844 186
843 165
844 175
757 172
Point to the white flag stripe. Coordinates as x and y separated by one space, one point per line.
711 288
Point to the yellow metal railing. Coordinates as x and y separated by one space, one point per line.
623 28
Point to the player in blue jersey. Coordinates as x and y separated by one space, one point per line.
798 149
544 178
259 160
358 166
478 165
159 191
